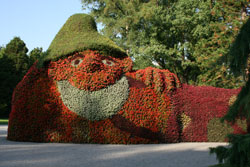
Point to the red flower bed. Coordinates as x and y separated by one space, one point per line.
200 105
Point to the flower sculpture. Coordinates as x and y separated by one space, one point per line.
84 91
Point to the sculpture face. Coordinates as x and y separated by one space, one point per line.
91 85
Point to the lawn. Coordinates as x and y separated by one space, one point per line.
4 121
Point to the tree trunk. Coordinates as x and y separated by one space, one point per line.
248 126
127 51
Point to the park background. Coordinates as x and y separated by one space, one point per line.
190 38
202 42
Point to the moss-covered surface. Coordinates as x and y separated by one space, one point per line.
80 33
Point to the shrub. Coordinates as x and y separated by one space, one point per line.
237 154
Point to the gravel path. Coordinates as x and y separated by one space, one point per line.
27 154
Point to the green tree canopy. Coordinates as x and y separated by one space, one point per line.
14 63
2 50
16 50
8 81
224 25
186 37
35 54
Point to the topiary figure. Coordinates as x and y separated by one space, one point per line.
84 91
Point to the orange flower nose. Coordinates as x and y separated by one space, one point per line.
91 65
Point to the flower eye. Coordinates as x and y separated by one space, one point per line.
76 62
108 62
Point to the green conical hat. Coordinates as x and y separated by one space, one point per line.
80 33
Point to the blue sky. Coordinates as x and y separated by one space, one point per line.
36 22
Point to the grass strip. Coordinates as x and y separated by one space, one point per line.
4 121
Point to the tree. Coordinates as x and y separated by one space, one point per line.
14 64
35 54
239 57
2 50
145 30
209 52
178 35
238 154
8 81
16 50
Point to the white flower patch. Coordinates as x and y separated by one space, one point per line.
94 105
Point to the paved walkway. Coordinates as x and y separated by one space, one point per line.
26 154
